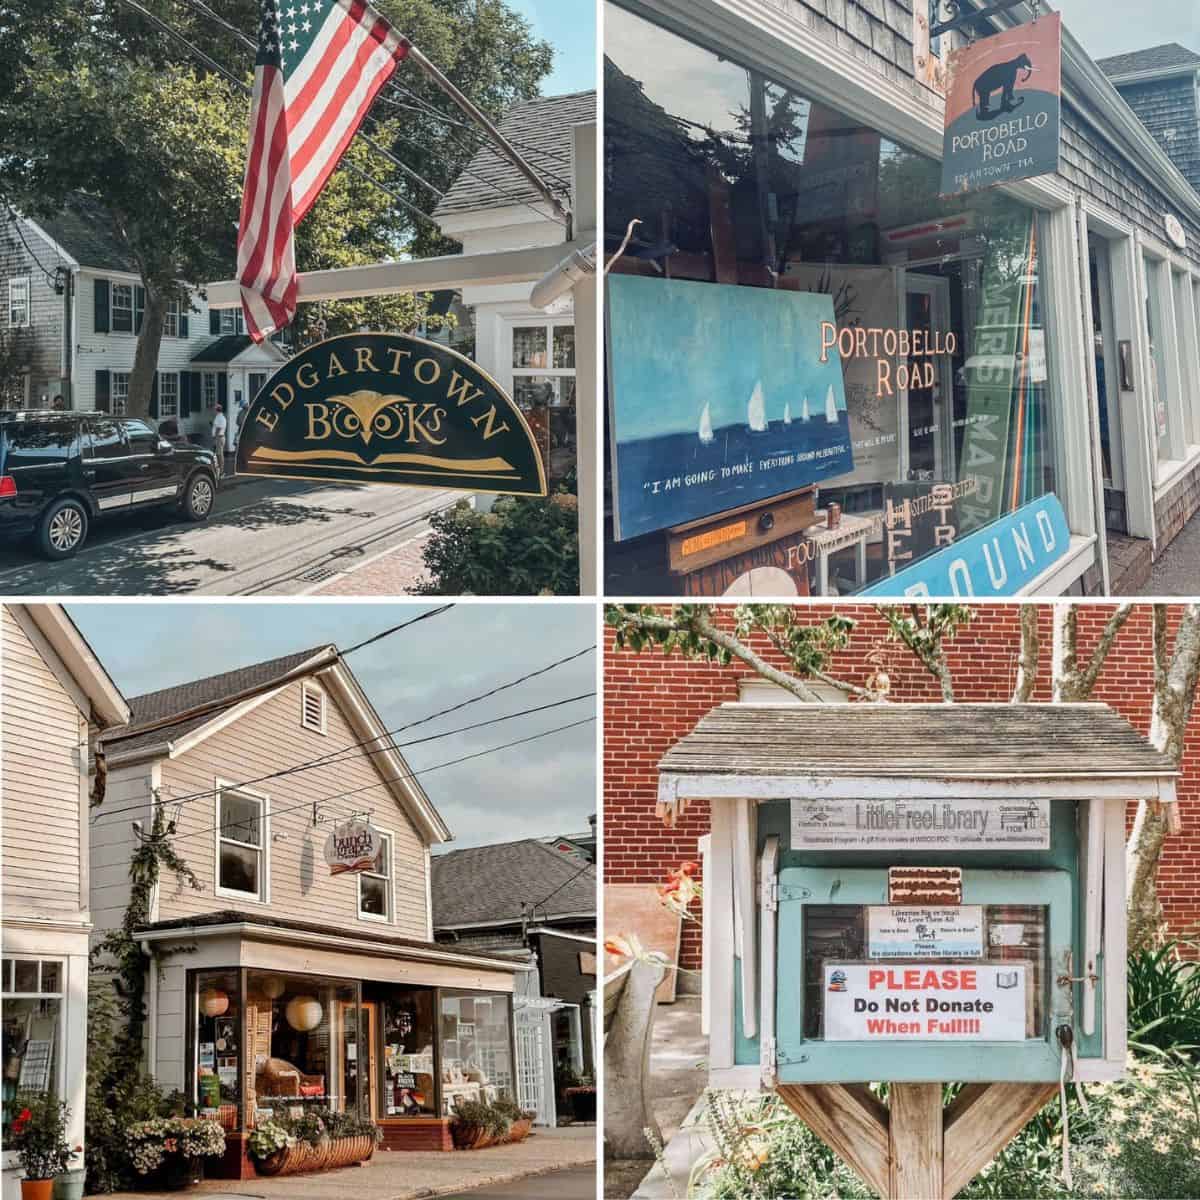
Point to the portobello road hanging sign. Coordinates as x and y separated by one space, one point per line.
1004 107
390 408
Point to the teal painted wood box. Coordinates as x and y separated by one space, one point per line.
914 893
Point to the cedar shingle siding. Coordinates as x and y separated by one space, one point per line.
1167 107
40 345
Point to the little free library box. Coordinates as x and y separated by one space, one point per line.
919 894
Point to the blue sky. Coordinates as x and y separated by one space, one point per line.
1105 27
570 27
540 789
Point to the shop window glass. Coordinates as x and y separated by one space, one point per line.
1159 388
476 1048
543 385
218 1046
240 843
529 347
302 1036
31 1024
407 1063
939 323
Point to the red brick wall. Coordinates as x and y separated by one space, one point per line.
650 701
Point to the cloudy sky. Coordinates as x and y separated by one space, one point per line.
1105 27
538 790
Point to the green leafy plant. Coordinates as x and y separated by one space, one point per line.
38 1135
267 1138
1164 998
524 547
489 1117
152 1142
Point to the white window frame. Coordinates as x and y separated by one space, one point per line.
236 323
163 410
307 689
15 282
171 319
118 402
512 324
264 879
388 918
116 285
209 389
7 993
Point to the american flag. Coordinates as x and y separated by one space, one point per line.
320 65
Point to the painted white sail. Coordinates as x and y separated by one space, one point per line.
804 408
831 412
756 411
706 429
787 414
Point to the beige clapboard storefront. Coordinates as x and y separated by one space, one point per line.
275 984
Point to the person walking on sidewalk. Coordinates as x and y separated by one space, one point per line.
219 426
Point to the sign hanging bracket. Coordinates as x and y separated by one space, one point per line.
965 17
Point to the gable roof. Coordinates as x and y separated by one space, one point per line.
223 349
964 741
541 130
485 885
1167 57
85 229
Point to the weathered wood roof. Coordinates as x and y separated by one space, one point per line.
969 741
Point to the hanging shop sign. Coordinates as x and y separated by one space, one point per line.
921 1002
915 932
352 846
390 408
720 396
998 560
1003 107
915 824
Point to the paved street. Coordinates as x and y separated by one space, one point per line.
265 537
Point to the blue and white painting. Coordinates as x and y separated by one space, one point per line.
718 398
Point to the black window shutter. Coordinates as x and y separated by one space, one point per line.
100 306
183 317
154 397
103 389
139 308
222 389
214 322
185 393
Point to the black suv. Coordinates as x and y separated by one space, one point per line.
59 471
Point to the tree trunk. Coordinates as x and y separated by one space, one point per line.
1175 681
1031 648
145 359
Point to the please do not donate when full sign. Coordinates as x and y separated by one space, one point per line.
866 1002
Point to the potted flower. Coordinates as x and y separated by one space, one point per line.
173 1149
69 1185
38 1135
520 1120
267 1147
317 1140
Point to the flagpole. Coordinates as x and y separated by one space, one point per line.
481 118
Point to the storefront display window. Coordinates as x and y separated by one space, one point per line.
477 1056
543 385
218 1046
32 1027
407 1070
930 310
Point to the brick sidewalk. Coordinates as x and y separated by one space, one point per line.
395 572
409 1174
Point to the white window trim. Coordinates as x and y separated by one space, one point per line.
114 411
112 307
209 377
237 323
162 378
307 688
390 877
512 324
13 280
172 312
264 892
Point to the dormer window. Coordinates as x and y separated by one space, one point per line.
312 708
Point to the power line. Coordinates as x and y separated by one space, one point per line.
433 612
550 896
399 778
323 759
15 217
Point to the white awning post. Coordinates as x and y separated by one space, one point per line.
768 890
745 909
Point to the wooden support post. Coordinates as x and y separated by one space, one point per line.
913 1147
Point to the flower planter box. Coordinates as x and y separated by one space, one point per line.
521 1129
304 1157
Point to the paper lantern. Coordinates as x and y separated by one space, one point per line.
214 1002
303 1013
273 987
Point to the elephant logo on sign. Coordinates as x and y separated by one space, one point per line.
1002 77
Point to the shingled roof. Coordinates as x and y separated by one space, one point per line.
485 885
966 741
1156 58
84 228
155 706
541 131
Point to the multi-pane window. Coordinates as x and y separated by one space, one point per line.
232 321
33 992
171 321
241 819
543 385
210 389
168 394
18 302
122 307
119 396
375 885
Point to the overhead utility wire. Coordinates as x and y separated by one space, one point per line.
202 9
216 67
344 755
324 758
398 778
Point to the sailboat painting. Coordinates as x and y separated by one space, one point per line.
702 379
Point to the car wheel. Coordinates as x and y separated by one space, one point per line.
63 529
199 497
